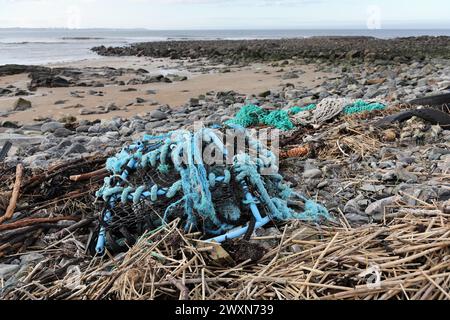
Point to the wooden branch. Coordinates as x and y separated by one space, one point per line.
89 175
14 196
31 221
184 291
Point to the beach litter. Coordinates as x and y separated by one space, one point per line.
201 191
157 223
327 109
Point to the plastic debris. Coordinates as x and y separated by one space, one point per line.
250 115
360 106
297 109
197 189
278 119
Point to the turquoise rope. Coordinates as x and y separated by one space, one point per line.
197 183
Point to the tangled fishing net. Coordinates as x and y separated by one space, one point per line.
327 109
162 178
250 115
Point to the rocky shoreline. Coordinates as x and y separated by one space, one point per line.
234 52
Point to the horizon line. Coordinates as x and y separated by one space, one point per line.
230 29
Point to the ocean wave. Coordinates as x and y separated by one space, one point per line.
31 42
83 38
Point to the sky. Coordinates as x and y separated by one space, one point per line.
226 14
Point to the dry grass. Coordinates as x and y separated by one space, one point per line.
410 254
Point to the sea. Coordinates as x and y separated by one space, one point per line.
44 46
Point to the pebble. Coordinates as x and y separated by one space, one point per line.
51 126
62 132
156 114
378 206
75 149
31 257
312 173
7 270
21 105
82 128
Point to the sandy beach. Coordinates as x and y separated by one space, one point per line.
250 80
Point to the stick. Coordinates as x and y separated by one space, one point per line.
28 222
184 291
14 196
87 176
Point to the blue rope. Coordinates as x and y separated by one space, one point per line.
181 152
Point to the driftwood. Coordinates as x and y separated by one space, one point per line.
31 221
86 176
14 196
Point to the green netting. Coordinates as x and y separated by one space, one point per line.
297 109
278 119
249 115
363 106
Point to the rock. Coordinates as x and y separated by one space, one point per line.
372 188
32 127
85 112
125 131
112 134
76 148
312 173
63 144
62 133
7 270
353 54
20 139
140 100
128 90
446 207
159 115
9 124
352 206
84 128
112 107
152 79
21 105
375 81
60 102
290 75
194 102
378 206
31 257
152 125
59 81
293 94
389 135
264 94
51 126
406 176
436 153
357 218
175 77
4 92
